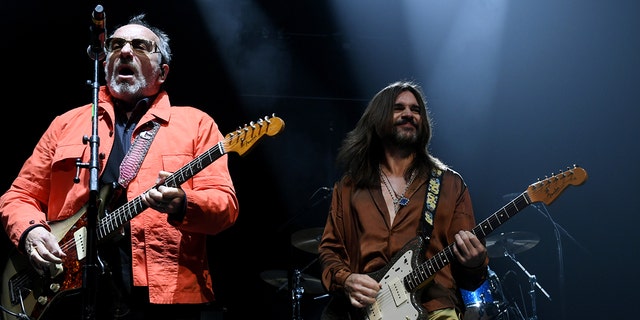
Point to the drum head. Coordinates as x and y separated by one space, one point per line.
479 303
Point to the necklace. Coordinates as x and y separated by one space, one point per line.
398 200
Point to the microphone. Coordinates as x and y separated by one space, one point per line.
97 34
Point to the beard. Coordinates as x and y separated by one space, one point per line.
404 138
125 88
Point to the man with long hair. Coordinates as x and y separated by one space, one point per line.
392 192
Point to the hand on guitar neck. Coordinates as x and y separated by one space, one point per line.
164 198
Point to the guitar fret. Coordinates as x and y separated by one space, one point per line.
442 262
412 281
432 269
424 275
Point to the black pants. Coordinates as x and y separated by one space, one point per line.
73 306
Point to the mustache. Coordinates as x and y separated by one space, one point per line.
406 120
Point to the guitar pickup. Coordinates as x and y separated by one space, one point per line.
396 287
81 246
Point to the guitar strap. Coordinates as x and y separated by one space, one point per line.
133 159
431 201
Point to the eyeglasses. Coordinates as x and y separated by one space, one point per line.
138 45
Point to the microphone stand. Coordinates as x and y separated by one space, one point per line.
90 267
315 203
532 281
542 209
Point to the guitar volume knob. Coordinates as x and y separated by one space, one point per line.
54 287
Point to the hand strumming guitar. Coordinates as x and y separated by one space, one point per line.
361 289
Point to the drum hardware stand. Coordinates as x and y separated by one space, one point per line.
296 294
297 290
533 282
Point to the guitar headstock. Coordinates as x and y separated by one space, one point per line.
549 189
243 139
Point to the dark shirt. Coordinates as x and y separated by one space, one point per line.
116 254
123 135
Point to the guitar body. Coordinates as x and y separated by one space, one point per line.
395 301
23 285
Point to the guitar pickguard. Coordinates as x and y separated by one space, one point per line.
393 300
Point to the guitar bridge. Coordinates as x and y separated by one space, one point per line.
18 288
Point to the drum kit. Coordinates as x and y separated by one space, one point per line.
489 301
297 282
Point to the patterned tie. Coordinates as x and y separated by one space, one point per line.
132 161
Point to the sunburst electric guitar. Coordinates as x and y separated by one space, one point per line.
408 272
24 292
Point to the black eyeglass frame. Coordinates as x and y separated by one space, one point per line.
138 45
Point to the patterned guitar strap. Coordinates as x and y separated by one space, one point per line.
133 159
431 202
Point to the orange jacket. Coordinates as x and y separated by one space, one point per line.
169 258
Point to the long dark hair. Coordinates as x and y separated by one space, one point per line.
361 151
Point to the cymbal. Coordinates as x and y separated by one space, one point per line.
510 243
307 239
280 279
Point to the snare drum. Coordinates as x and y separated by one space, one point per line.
480 304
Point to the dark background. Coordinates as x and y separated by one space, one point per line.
519 90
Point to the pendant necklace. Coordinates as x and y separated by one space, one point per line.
398 200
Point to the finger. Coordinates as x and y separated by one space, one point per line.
52 246
460 244
357 302
39 264
153 198
50 257
162 208
43 254
162 175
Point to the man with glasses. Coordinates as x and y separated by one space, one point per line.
155 265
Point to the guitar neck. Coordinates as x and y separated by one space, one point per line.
114 220
426 270
196 165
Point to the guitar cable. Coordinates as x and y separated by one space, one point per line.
21 316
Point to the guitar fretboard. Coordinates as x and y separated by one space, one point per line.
426 270
116 219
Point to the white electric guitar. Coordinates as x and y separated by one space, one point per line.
407 273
